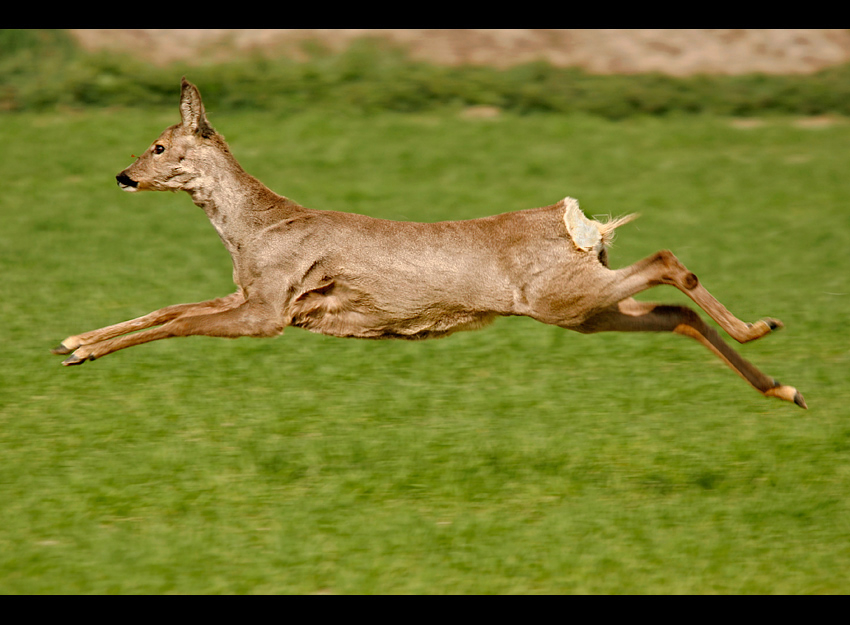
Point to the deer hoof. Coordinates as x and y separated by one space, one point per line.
774 324
788 393
73 359
60 350
760 328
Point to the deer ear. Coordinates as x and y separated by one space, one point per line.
192 109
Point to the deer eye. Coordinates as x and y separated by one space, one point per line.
158 149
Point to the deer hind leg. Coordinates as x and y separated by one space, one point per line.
632 316
664 268
245 319
157 317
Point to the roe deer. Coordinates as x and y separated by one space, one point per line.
351 275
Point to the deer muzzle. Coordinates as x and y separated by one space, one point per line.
127 183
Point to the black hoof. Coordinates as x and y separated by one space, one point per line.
798 399
61 350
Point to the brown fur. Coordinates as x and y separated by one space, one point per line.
351 275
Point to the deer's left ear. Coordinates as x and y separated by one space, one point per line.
192 109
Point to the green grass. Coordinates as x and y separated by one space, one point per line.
518 459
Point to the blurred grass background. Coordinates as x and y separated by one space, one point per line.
518 459
40 69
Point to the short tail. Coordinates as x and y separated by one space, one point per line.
607 229
590 234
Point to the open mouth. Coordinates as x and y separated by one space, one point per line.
127 183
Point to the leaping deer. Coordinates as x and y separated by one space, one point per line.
351 275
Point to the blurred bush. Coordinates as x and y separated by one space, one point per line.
42 69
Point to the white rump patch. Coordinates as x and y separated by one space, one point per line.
589 234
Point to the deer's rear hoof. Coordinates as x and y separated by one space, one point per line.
61 350
761 328
788 393
774 324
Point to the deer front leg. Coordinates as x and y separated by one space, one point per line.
633 316
664 268
247 319
157 317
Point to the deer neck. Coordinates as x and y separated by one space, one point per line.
233 201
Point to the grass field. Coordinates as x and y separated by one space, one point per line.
518 459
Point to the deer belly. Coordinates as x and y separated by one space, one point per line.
337 309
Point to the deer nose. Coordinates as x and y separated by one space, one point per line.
125 181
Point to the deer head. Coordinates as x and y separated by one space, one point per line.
182 155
